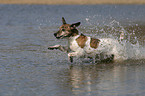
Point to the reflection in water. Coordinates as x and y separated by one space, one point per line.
107 79
82 78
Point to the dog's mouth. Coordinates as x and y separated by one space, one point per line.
58 37
61 37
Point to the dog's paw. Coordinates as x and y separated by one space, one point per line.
53 47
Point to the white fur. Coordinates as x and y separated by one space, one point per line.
106 46
75 47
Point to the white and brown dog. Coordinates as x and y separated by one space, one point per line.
80 45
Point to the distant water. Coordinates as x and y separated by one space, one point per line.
28 68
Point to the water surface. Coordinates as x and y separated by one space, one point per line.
27 68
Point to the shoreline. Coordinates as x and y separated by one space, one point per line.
71 2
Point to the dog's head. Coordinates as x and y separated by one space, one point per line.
67 30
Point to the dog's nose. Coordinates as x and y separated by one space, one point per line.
55 34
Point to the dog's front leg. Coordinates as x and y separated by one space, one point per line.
61 48
71 55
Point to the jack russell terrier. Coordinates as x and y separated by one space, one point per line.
80 45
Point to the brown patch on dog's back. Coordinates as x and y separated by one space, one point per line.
81 40
94 43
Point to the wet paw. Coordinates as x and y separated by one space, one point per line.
53 47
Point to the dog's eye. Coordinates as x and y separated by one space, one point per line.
63 29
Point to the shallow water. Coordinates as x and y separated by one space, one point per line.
28 68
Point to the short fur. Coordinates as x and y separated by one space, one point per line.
81 40
94 43
83 46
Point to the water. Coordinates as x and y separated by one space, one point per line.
28 68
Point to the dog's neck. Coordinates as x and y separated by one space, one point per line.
74 35
74 32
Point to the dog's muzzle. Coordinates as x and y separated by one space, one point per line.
58 37
55 34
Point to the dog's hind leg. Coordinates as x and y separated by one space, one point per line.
106 58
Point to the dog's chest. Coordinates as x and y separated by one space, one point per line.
82 48
73 44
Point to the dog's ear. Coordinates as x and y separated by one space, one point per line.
75 24
63 20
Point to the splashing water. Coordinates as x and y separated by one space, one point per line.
130 50
128 46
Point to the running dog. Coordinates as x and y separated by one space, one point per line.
80 45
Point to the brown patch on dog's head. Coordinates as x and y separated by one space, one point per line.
67 30
81 40
94 43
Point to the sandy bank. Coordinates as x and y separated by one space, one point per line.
72 1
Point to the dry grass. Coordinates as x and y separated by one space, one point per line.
72 1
